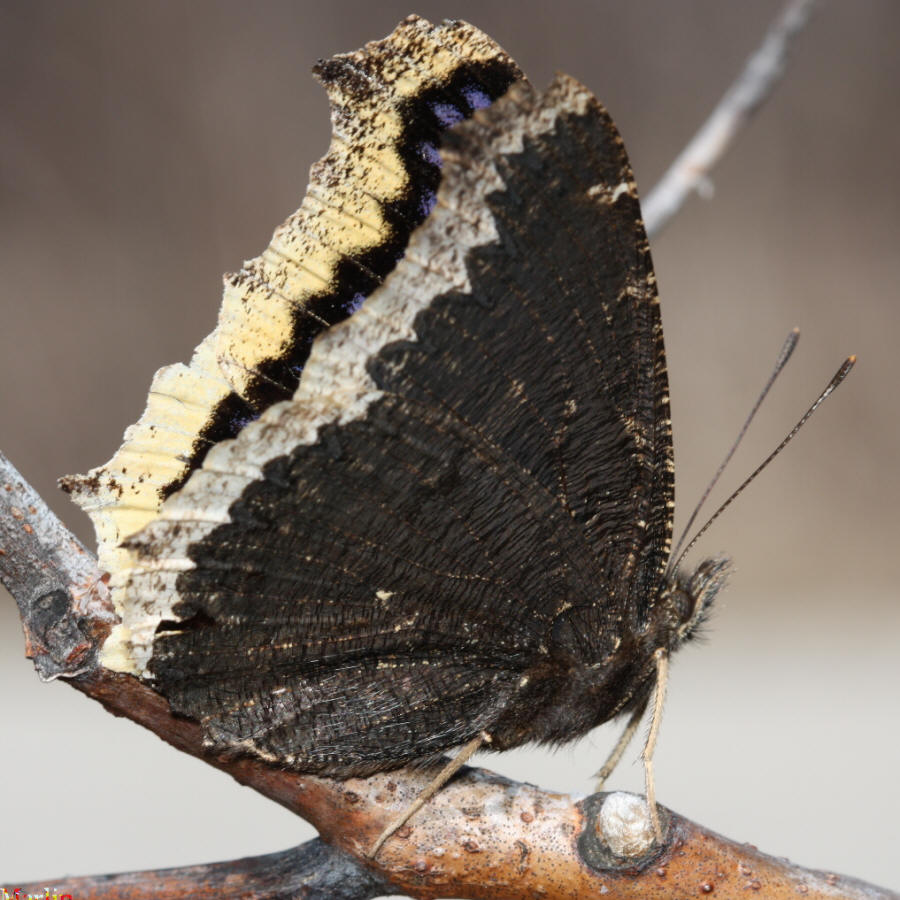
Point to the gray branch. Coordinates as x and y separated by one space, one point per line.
62 597
691 170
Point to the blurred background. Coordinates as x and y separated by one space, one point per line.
145 148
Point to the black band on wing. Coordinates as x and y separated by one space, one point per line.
426 117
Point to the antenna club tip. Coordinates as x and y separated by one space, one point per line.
851 360
795 330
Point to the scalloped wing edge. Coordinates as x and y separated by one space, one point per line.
342 215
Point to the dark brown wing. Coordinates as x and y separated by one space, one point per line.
361 577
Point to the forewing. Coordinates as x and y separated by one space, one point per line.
390 103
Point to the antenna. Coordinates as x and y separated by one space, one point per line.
839 376
784 355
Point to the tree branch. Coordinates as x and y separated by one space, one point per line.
762 71
41 561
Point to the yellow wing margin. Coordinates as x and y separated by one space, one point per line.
341 217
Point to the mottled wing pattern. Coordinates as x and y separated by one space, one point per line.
477 444
390 103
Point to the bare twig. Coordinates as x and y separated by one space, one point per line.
690 171
41 561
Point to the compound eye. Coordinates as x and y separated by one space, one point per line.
682 604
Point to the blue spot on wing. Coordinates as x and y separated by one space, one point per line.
355 303
447 114
426 202
429 152
238 423
476 97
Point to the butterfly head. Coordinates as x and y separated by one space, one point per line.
688 598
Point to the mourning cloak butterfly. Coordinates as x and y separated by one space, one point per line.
416 489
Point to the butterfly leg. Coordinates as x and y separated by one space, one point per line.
661 657
616 754
436 784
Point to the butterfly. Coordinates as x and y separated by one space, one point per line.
416 491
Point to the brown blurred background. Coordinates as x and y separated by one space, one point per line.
145 148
